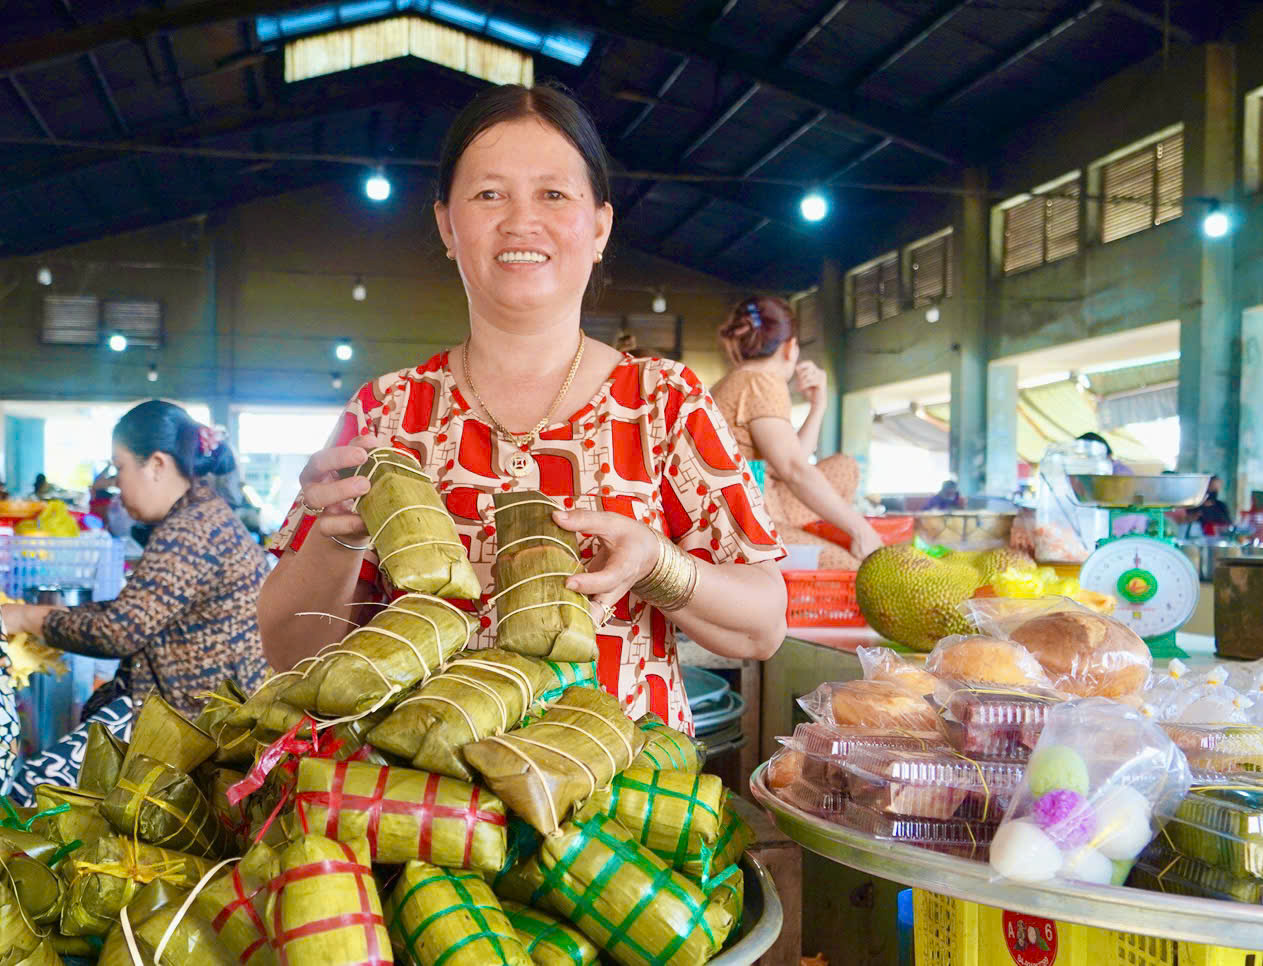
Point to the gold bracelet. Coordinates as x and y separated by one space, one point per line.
672 582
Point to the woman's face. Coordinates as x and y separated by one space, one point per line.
140 485
523 222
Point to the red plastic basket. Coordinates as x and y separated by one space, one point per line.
821 598
892 530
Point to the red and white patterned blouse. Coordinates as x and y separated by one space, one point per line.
651 445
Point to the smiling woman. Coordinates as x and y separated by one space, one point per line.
634 452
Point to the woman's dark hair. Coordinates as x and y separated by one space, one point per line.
757 327
162 427
550 103
1098 438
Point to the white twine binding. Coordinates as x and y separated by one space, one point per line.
180 913
541 501
547 603
539 775
541 536
527 580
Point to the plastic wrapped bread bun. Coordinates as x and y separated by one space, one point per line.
869 704
1086 654
987 660
884 664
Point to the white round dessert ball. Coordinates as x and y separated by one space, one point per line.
1086 864
1022 851
1122 817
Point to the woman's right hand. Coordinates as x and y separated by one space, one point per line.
865 542
331 496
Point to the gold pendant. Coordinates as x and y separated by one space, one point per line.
520 464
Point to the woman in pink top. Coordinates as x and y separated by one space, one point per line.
634 450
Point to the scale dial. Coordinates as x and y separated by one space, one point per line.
1155 584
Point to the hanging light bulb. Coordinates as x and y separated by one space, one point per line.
377 185
152 375
343 351
45 275
358 291
1216 224
660 301
814 206
117 342
335 380
932 314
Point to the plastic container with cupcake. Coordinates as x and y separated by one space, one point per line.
984 721
931 784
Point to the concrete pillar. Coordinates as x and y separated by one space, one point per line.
833 330
967 441
1210 333
223 282
1250 438
1001 479
857 432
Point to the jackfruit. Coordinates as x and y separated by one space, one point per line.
910 597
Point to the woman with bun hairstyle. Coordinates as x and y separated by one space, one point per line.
186 618
761 340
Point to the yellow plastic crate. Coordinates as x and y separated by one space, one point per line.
952 932
1194 955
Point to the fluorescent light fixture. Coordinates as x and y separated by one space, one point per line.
343 351
377 186
117 342
814 206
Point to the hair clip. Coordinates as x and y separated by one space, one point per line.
752 310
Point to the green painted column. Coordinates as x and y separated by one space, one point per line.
1210 331
1250 437
1001 477
832 335
857 432
968 316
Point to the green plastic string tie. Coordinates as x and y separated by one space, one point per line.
938 551
55 859
14 821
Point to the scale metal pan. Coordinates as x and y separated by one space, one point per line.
1167 490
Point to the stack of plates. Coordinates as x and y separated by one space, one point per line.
717 710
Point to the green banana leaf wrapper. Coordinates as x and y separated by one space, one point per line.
18 938
324 909
548 940
45 954
164 807
537 614
479 693
666 748
730 893
442 918
106 875
265 713
521 878
85 947
558 677
415 539
235 819
81 822
102 759
403 645
403 814
639 910
160 732
234 903
39 888
676 815
192 942
735 836
541 771
233 745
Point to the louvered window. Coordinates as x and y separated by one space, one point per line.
140 320
71 320
1042 229
875 291
658 333
1143 189
931 270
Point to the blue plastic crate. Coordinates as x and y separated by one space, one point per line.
92 560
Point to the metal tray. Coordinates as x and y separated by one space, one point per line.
761 919
1207 921
1169 489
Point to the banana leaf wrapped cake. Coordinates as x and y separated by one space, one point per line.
80 821
163 734
548 940
438 917
164 933
324 909
29 860
536 614
103 755
234 903
403 814
541 771
266 715
163 806
666 748
415 539
403 645
233 742
479 693
627 900
674 814
18 938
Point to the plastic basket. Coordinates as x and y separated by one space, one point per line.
953 932
821 598
93 560
892 530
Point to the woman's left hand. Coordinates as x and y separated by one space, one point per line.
626 553
25 618
811 381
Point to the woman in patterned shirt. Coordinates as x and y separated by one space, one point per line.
634 450
186 618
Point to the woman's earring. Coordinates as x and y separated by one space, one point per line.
599 256
451 254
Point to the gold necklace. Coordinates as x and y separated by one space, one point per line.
520 462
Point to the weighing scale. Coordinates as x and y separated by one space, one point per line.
1157 586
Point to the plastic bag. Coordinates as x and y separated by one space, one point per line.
1083 653
988 722
985 660
53 521
885 664
869 704
1102 781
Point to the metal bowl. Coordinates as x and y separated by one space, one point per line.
1167 490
